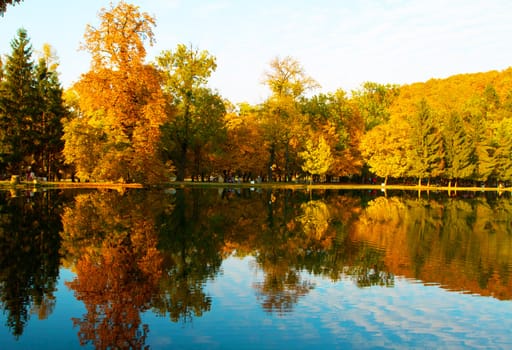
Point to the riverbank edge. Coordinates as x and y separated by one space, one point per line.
269 185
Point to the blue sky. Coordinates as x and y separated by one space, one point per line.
340 43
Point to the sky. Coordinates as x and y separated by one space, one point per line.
339 43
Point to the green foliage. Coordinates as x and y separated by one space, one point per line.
31 108
185 72
459 150
426 152
374 100
503 150
17 108
282 121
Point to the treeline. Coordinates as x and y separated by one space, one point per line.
128 120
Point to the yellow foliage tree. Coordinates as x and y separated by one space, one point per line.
283 121
120 102
317 157
385 149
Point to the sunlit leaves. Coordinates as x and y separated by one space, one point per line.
374 100
282 120
184 70
425 154
287 77
196 111
317 157
120 103
459 151
119 40
385 149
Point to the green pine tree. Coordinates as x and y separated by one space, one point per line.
479 136
49 130
459 151
426 152
17 109
503 150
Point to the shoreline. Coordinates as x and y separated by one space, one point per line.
6 185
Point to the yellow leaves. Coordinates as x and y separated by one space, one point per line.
288 78
384 148
233 121
120 102
317 157
119 40
185 70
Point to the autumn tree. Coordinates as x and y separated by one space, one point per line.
121 105
374 100
385 149
185 73
242 151
425 155
317 157
336 118
283 120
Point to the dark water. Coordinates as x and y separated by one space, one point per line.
242 269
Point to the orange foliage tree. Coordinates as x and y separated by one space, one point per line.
120 103
243 154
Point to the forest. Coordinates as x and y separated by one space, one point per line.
128 120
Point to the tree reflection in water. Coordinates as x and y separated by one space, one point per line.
113 242
143 250
29 255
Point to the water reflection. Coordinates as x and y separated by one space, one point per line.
463 245
29 255
142 250
111 241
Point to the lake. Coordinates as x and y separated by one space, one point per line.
252 268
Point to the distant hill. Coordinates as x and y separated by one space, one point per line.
455 92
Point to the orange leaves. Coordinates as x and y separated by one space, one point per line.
118 42
120 103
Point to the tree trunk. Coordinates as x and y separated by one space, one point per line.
197 161
182 162
286 161
271 160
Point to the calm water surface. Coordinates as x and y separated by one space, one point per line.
232 269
